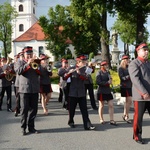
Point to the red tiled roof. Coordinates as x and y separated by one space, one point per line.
33 33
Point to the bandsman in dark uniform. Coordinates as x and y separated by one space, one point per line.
63 82
29 87
77 93
139 71
89 86
126 86
5 83
104 80
20 57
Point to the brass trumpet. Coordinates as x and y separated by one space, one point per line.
34 65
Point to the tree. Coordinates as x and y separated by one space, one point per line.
134 13
7 14
56 30
94 13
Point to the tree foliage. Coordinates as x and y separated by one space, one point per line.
55 29
134 14
7 14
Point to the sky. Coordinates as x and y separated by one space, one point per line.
44 5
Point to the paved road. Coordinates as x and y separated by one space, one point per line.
56 135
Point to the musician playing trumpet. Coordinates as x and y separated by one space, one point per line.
5 70
45 81
29 88
77 93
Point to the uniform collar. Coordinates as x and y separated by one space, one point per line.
141 59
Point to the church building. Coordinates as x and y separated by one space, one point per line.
26 30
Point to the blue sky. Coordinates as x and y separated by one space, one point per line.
44 5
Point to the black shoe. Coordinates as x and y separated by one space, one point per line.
24 132
33 131
16 114
71 125
95 108
0 109
90 128
9 109
141 141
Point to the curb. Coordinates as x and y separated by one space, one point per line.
117 96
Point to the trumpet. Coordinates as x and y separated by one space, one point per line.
49 68
34 65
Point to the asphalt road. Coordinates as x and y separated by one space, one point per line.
56 134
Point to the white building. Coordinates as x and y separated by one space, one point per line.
26 30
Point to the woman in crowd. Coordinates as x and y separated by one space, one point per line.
104 80
45 82
126 86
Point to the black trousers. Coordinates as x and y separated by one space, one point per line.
60 95
89 88
8 90
17 107
83 108
29 108
66 95
139 109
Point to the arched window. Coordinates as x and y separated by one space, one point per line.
41 50
33 10
20 8
21 27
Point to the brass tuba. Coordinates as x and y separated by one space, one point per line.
9 76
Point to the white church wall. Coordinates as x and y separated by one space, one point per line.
35 44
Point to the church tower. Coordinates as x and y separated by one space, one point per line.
26 10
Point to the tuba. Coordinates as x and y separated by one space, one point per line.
9 76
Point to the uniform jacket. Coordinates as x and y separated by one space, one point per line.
28 78
3 81
45 76
102 79
139 71
125 81
77 87
61 72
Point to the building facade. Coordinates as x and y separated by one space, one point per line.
26 30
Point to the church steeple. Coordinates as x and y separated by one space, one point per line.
26 10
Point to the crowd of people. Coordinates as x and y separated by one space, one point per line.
31 77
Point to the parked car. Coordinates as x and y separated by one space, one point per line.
57 64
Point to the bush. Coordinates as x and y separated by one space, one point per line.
55 77
114 74
115 79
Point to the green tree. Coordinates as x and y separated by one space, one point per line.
56 30
135 13
7 14
94 13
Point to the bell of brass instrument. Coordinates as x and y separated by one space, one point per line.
9 76
49 68
34 65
